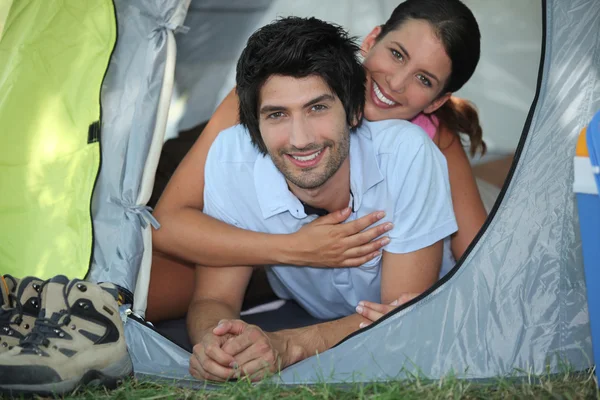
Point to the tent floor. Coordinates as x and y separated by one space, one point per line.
288 316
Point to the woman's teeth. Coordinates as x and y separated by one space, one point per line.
309 157
381 97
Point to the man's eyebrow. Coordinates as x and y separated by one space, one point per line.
274 108
323 97
429 74
269 109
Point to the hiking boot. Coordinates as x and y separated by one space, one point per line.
8 284
19 307
77 340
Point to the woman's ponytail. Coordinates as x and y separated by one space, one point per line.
460 116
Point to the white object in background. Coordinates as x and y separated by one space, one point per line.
584 181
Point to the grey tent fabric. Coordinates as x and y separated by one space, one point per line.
217 36
154 356
130 99
519 300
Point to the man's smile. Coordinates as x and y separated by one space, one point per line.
306 160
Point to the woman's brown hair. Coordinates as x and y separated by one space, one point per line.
460 117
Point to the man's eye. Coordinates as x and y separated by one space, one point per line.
319 107
424 80
397 54
275 115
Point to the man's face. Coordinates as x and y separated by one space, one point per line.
303 124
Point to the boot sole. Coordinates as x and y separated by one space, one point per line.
109 377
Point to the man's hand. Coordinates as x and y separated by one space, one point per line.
255 353
374 311
328 242
209 361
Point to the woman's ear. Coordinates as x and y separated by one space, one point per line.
437 103
370 40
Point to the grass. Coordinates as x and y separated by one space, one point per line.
565 386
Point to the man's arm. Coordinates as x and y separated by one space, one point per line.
257 353
401 273
418 272
410 272
218 295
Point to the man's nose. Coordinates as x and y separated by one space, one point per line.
301 134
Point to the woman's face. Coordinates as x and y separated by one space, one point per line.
406 72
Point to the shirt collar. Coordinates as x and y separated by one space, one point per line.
364 166
274 196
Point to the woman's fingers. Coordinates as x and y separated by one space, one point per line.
362 247
365 252
328 241
374 311
358 225
369 235
333 218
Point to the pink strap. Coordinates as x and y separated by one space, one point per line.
428 123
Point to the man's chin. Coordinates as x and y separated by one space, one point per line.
306 183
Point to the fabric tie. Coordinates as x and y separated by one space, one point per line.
143 212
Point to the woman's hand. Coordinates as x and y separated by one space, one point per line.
374 311
327 242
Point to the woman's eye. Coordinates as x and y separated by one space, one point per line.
275 115
397 54
424 80
319 107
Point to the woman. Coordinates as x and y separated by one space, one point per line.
424 52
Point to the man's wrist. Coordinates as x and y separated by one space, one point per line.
197 333
289 351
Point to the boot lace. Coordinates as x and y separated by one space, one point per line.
6 315
46 328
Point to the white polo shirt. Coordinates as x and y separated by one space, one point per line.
394 167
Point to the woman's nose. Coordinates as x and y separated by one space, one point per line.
397 81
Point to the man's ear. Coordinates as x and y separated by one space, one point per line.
369 41
437 103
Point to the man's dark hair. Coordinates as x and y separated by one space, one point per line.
299 47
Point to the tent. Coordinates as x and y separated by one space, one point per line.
516 301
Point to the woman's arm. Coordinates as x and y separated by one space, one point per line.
468 206
189 234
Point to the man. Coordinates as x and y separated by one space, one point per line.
301 142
